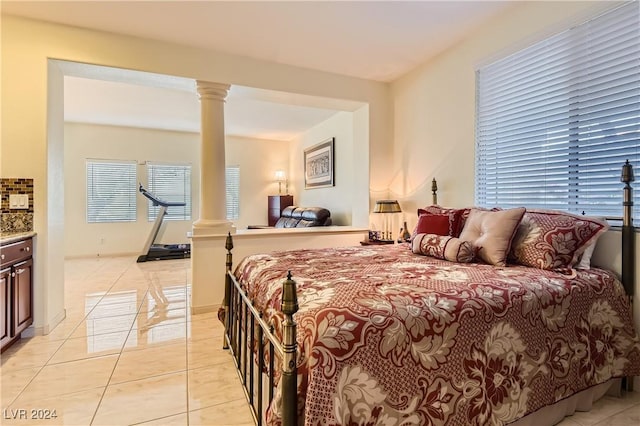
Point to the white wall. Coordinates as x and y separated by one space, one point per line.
338 198
258 160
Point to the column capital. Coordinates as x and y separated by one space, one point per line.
214 91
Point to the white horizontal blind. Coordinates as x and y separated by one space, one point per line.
232 176
557 120
172 183
111 191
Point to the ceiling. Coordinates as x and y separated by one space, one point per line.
376 40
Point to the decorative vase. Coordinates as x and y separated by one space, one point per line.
405 235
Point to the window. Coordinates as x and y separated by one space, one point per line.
170 182
232 176
557 120
111 191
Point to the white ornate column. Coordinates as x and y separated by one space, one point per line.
208 232
213 209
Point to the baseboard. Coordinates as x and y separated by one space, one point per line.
195 310
98 256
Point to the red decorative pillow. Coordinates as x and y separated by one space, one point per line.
553 240
443 247
455 216
438 224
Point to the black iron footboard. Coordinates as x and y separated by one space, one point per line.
247 335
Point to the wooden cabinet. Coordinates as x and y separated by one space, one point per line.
277 203
16 289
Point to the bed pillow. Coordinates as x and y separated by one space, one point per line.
443 247
439 224
584 262
455 217
491 232
554 240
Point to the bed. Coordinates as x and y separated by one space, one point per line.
387 335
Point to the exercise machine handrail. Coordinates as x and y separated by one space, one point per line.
158 202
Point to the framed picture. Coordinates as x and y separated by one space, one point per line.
318 165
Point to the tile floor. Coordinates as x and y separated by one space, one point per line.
129 352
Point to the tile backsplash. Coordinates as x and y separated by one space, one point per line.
14 220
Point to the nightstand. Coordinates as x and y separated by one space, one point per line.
277 203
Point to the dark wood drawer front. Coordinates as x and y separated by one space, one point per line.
15 252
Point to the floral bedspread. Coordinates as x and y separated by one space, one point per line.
393 338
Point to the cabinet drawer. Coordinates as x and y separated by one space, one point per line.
15 252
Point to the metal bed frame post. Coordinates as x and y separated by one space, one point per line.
628 245
227 290
434 192
289 307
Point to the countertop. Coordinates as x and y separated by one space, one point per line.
8 238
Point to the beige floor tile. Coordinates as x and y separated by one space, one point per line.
207 316
90 347
205 329
226 414
95 326
14 382
206 353
628 417
145 363
71 377
103 309
28 355
155 336
70 409
143 400
60 332
174 307
213 385
568 421
51 337
161 316
605 408
177 420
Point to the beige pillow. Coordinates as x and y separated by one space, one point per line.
491 233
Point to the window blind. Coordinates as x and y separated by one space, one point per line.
111 191
170 182
232 176
556 121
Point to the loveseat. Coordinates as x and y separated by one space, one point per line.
302 217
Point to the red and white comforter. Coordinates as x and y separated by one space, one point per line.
389 337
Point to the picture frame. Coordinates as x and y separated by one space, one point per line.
319 165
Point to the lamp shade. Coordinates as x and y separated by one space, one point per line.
387 206
280 176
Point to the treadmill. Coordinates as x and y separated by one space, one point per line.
154 251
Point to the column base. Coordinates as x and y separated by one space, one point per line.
203 227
